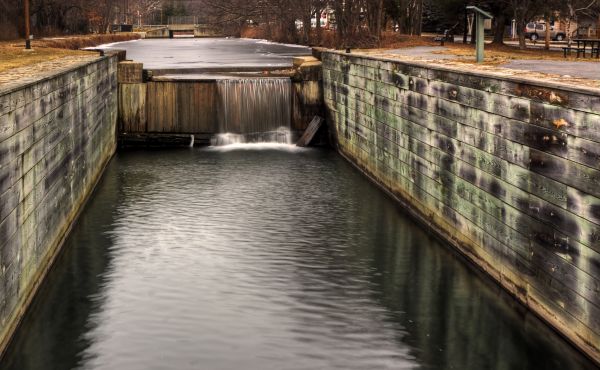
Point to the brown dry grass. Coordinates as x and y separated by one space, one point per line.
13 55
327 39
253 32
394 40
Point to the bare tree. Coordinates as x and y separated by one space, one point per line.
523 12
575 8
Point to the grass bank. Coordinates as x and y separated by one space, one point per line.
13 54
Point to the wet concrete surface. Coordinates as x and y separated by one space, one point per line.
589 70
581 69
186 53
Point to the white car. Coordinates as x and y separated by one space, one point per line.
535 31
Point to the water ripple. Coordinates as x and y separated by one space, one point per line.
265 259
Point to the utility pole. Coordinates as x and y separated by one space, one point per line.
27 30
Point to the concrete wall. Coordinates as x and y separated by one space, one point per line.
56 135
170 30
158 33
507 171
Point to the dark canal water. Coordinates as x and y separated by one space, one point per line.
264 259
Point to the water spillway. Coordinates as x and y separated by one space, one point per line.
271 106
254 110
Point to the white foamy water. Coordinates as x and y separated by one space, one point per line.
280 139
257 146
281 135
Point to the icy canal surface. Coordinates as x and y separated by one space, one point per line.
265 259
186 53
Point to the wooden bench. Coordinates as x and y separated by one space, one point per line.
448 36
579 51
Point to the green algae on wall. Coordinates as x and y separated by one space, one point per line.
506 170
56 136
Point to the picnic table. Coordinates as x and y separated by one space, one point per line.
582 47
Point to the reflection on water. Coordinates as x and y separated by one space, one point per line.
205 259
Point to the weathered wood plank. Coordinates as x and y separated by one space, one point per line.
310 132
130 72
132 107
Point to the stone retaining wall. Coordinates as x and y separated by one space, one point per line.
506 170
56 136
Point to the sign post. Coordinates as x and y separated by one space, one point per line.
27 30
480 16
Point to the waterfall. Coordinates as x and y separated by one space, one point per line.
254 110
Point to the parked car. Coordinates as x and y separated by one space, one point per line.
534 31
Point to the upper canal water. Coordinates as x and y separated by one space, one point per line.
275 258
206 53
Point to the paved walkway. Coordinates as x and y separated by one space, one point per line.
578 69
589 70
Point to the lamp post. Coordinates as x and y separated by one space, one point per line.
27 31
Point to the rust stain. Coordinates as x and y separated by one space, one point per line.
542 94
560 123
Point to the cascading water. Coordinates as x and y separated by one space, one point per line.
254 110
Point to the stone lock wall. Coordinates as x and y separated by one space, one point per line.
506 170
56 136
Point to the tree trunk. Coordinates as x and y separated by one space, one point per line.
306 26
466 26
319 30
547 34
474 30
499 29
521 34
419 17
379 20
571 18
